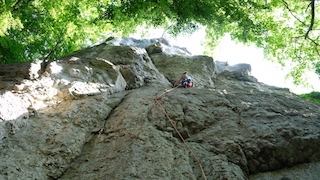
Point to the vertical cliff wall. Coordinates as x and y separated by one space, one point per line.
92 115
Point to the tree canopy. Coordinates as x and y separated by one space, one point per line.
287 30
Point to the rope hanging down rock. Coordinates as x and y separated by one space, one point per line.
181 137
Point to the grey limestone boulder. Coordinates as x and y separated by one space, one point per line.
239 72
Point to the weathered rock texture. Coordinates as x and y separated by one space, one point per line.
92 115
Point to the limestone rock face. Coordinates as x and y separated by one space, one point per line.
93 115
200 68
239 72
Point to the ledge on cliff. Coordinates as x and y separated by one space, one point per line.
92 115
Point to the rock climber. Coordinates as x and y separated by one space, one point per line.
184 81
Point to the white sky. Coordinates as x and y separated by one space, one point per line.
265 71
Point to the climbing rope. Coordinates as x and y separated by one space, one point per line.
181 137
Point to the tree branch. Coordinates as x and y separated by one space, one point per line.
310 28
45 57
316 45
308 7
287 6
312 18
16 5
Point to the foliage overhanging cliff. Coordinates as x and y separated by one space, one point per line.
288 31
